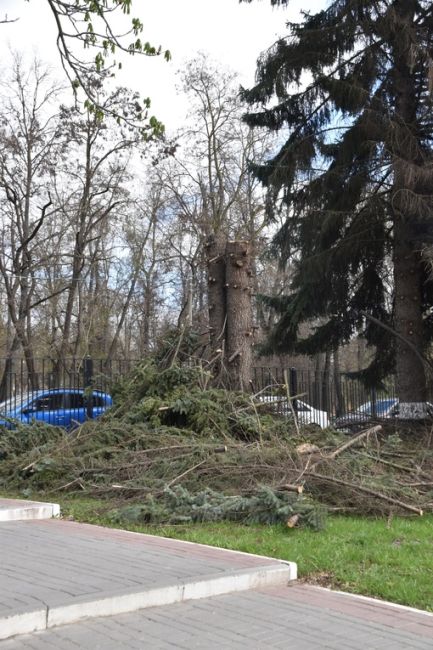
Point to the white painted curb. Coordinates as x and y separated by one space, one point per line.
23 623
121 603
20 510
243 580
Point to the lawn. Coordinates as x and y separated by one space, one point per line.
385 558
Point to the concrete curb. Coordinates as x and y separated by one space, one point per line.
15 510
23 622
120 603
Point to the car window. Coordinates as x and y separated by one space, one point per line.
12 403
382 405
76 401
98 400
47 402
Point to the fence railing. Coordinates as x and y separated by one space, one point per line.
322 396
18 377
323 392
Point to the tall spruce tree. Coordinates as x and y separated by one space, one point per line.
351 89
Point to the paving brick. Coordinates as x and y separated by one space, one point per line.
206 625
62 563
58 563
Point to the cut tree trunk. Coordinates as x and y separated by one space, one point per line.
216 290
239 338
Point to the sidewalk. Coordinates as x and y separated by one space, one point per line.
298 617
70 586
54 572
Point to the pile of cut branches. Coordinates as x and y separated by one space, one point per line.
171 431
379 471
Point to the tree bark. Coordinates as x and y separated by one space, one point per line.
239 315
408 321
6 379
216 290
410 374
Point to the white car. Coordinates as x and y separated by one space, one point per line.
305 413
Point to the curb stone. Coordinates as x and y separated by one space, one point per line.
277 574
15 510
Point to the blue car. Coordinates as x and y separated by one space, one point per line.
63 407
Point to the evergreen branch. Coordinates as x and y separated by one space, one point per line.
426 363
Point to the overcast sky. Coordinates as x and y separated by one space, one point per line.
229 32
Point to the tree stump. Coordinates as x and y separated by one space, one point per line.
216 245
239 331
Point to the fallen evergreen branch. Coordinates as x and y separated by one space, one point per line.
177 505
169 429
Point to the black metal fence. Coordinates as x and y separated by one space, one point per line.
326 392
20 379
321 396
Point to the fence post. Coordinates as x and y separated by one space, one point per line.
294 387
88 381
373 403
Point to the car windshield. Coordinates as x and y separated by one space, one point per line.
13 403
382 406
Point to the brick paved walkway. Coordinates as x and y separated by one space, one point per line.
54 572
298 617
58 571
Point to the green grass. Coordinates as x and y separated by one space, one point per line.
389 559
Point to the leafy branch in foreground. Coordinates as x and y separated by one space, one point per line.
91 22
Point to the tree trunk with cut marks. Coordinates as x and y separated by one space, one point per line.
216 291
239 337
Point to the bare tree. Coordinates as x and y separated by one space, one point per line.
31 140
140 239
91 192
